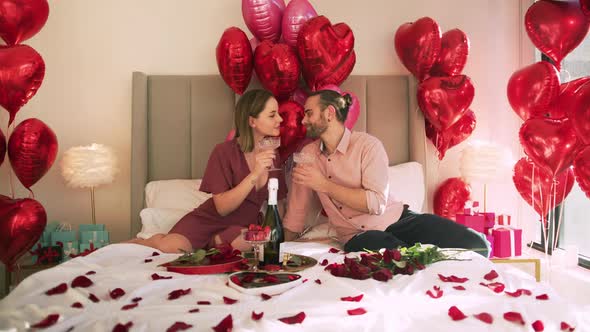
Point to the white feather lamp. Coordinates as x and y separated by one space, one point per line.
89 167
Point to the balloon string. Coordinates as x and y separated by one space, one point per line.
9 167
31 193
563 200
532 198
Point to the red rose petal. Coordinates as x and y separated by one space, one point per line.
356 312
179 326
122 327
538 326
459 287
203 302
265 297
155 253
297 319
305 280
225 325
271 279
192 311
272 267
497 287
256 316
156 276
324 262
514 317
485 317
519 292
59 289
566 327
293 277
47 321
93 298
136 299
81 281
334 250
437 293
130 306
116 293
357 298
456 314
175 294
77 305
318 281
491 275
148 260
542 297
452 278
89 273
236 280
227 300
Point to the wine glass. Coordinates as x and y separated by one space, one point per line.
270 143
303 158
257 239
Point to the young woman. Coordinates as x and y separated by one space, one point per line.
237 173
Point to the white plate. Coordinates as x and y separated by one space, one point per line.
272 289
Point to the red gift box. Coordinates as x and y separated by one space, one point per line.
507 242
490 218
475 222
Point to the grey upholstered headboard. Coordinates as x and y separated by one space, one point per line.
177 120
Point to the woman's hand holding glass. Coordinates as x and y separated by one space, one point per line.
270 143
263 161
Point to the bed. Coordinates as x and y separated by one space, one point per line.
176 122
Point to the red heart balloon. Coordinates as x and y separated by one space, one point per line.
556 27
32 148
582 170
326 52
444 100
418 46
452 136
235 59
579 112
450 197
549 143
21 224
277 68
563 106
21 19
2 147
585 5
532 89
453 54
21 73
540 194
292 130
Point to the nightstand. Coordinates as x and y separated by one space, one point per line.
516 260
20 275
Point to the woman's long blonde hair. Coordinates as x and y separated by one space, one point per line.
251 104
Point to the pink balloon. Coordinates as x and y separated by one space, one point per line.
297 13
263 18
330 87
299 96
230 135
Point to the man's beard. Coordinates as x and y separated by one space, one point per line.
314 131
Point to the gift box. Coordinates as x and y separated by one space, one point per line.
507 242
92 228
99 238
69 249
475 222
489 219
63 237
49 228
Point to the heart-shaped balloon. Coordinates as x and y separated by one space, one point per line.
550 143
21 224
563 105
235 59
453 54
32 148
444 100
450 197
295 15
535 185
585 5
292 130
579 112
22 19
556 27
326 52
21 73
230 135
418 46
277 68
455 134
582 170
2 147
299 96
263 18
532 89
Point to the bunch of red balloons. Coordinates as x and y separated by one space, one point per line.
32 145
290 42
556 131
444 94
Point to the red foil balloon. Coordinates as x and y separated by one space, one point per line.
277 68
582 170
295 15
21 73
326 52
292 130
2 147
263 18
531 180
579 112
235 59
585 5
32 148
450 197
532 89
453 54
564 105
550 143
418 46
21 224
556 27
444 100
22 19
452 136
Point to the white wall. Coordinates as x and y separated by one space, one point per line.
92 47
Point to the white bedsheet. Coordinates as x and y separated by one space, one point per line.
397 305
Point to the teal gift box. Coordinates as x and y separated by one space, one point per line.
70 248
63 237
92 228
99 238
49 228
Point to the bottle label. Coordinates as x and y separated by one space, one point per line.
281 253
260 253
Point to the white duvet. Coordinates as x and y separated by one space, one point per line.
401 304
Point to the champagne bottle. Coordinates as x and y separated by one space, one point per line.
272 249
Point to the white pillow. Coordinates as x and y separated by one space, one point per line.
158 220
406 183
175 194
